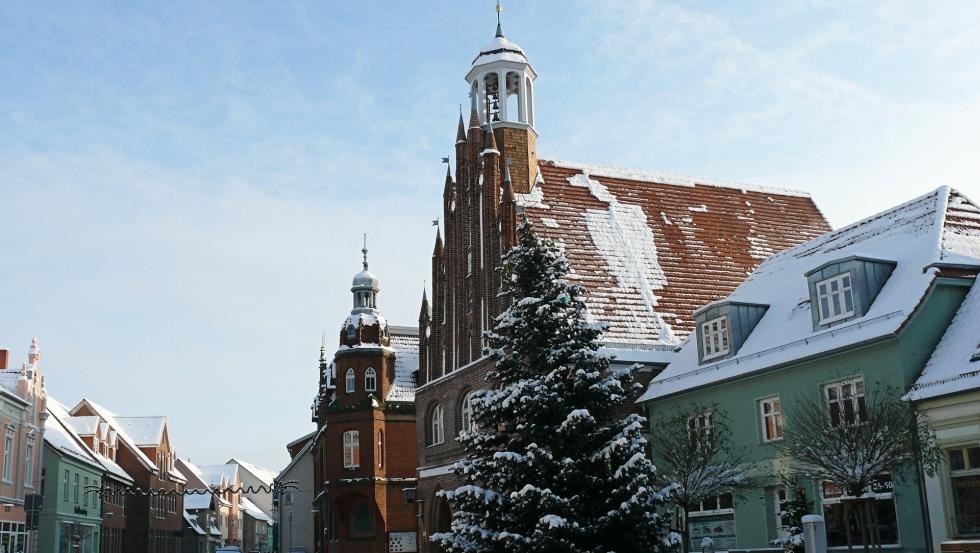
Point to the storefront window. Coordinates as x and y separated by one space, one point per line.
838 516
13 537
964 480
76 538
714 518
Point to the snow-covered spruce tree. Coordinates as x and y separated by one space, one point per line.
555 463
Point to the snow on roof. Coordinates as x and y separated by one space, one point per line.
252 509
651 247
213 475
264 475
85 426
59 435
405 342
123 435
144 431
305 450
192 522
197 501
942 226
500 49
954 366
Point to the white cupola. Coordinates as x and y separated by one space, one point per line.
365 287
501 83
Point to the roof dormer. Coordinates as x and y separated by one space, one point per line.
844 289
722 327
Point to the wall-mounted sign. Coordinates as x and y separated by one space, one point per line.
402 542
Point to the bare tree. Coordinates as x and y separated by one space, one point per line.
693 452
852 442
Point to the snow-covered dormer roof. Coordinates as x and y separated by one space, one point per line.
954 366
939 228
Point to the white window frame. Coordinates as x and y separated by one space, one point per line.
29 465
715 340
437 425
466 414
718 510
776 414
352 449
702 422
829 295
350 381
856 390
370 380
8 455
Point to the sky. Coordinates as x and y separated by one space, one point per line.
184 185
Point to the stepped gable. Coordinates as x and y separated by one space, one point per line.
652 247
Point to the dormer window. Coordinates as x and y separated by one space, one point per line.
835 299
714 338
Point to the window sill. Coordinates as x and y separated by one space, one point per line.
713 513
771 442
713 356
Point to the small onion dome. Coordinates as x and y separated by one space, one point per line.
500 49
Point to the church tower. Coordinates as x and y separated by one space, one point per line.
501 82
364 449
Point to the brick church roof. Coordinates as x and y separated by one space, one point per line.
650 248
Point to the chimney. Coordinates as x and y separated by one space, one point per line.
4 356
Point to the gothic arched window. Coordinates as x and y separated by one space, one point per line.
437 435
361 519
352 449
370 380
351 381
466 414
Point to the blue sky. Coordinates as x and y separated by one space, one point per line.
184 186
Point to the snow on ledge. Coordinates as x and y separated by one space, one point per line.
642 175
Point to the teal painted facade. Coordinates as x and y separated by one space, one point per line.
68 511
895 361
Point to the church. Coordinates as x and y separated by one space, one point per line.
649 248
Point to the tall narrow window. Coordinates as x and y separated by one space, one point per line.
437 425
845 400
67 488
75 491
772 419
835 300
351 381
466 414
8 452
85 493
714 338
370 380
29 465
352 449
381 448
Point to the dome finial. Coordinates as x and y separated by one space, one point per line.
500 32
364 251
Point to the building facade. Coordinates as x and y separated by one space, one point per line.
294 510
71 518
23 409
839 318
648 247
948 392
154 522
364 448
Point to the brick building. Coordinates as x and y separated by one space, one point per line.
648 247
153 523
364 447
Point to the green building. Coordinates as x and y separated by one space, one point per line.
833 318
71 517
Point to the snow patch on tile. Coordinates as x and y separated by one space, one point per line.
624 240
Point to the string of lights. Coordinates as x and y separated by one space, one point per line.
276 488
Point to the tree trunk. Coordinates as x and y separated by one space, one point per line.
685 531
847 525
875 524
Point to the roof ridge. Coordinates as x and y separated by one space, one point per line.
665 177
828 236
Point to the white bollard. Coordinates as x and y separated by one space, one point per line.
814 534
